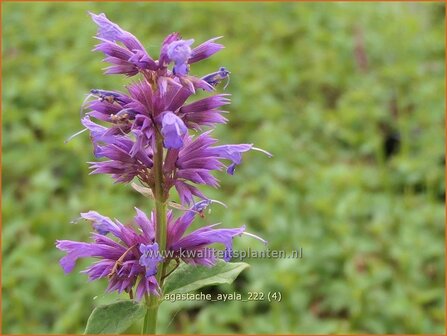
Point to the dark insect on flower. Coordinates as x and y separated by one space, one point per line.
122 118
217 77
104 100
103 96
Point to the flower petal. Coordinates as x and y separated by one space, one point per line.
76 250
207 236
146 225
173 130
150 258
103 225
205 50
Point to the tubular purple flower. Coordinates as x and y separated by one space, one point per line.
179 52
165 82
123 166
142 60
119 57
129 60
144 99
112 49
145 224
198 153
98 134
234 153
207 104
207 236
150 258
195 161
187 192
177 229
200 238
101 111
198 157
103 225
109 31
120 67
144 131
174 98
173 130
192 83
205 112
205 50
107 104
164 59
106 28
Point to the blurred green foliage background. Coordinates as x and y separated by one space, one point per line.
348 97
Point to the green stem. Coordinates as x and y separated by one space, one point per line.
160 200
150 319
152 302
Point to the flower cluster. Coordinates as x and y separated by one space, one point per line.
128 130
135 256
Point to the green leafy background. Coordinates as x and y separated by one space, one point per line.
370 222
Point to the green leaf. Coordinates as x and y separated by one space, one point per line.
190 277
114 318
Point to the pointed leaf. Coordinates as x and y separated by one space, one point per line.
191 277
114 318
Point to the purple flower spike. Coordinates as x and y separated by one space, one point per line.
173 130
126 130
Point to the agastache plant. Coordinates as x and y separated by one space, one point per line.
153 134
